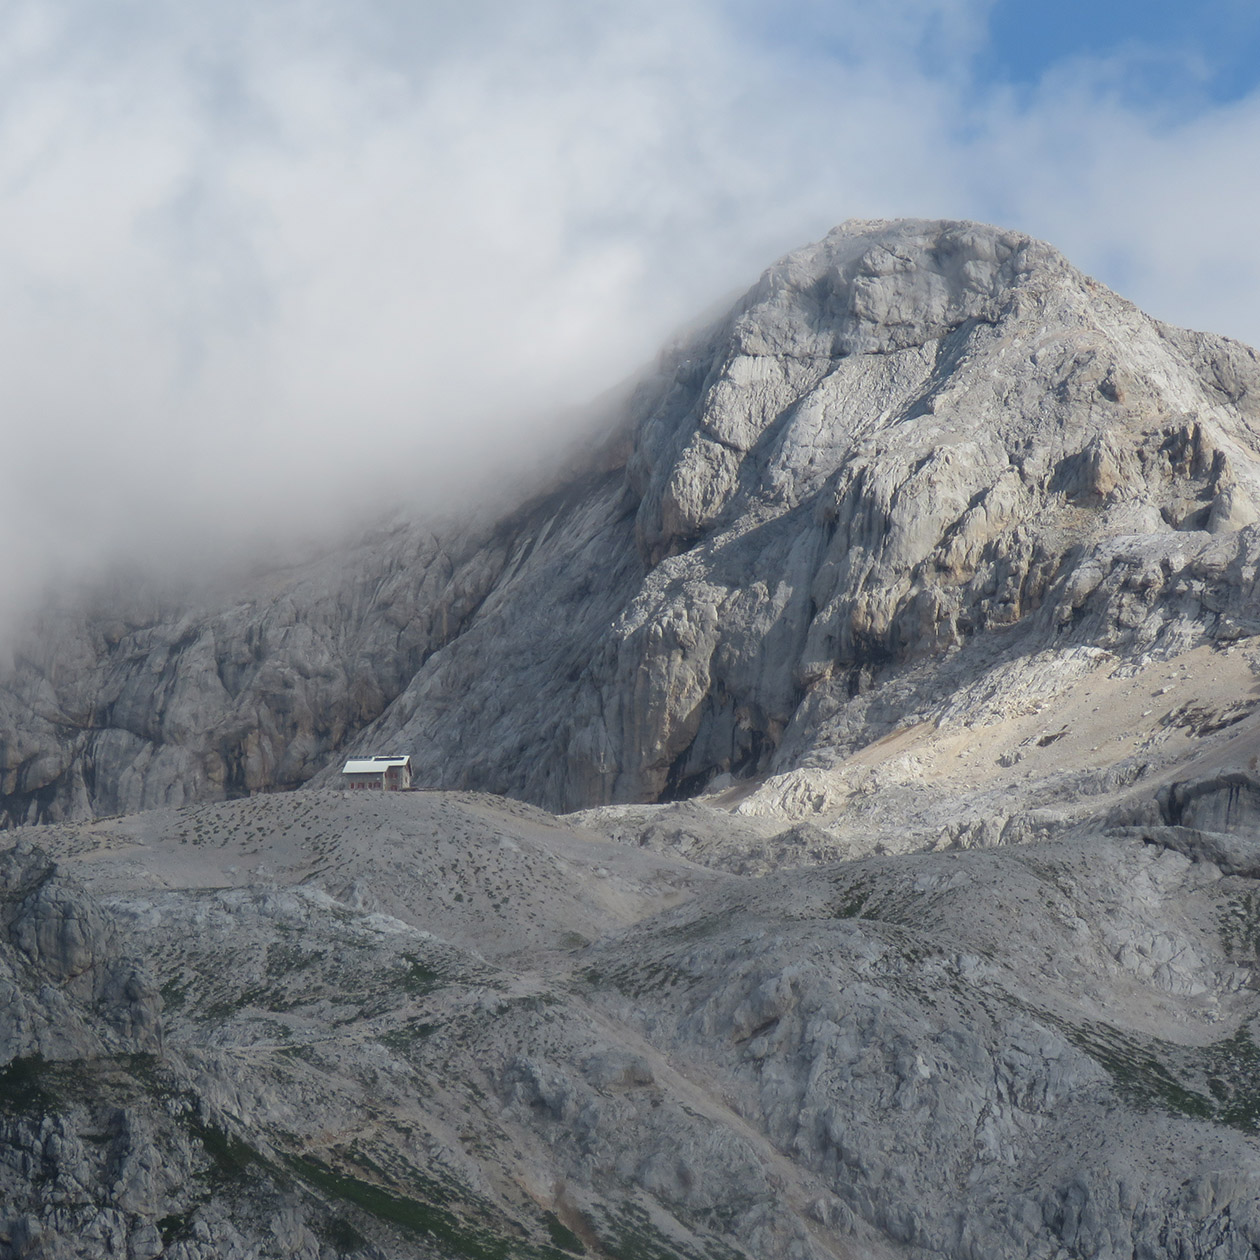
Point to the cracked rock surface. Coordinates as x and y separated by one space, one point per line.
919 464
449 1025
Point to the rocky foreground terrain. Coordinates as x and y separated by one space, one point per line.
890 667
328 1024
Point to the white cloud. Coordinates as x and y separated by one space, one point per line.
1158 207
250 252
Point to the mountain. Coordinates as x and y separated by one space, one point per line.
914 457
842 835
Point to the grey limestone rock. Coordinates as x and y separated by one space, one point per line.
64 987
908 442
129 699
105 1147
830 491
599 1048
1212 819
929 573
1227 801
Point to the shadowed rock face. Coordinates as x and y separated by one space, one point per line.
66 991
1226 802
914 454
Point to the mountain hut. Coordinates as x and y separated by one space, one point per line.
385 774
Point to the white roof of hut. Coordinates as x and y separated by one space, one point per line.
372 765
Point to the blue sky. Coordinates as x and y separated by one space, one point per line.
1207 52
256 226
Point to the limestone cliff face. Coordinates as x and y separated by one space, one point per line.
65 989
134 701
909 444
907 439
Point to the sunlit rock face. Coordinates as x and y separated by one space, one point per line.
913 454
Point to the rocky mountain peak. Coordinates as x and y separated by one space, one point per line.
870 287
908 441
919 337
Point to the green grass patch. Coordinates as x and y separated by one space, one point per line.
851 906
852 900
174 995
419 979
285 957
1219 1082
1240 926
413 1215
26 1085
33 1084
1142 1072
431 1216
632 1236
176 1226
404 1037
231 1160
1233 1076
562 1236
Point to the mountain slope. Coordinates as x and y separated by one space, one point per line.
429 1025
915 455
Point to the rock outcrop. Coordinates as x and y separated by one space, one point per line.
65 991
422 1025
908 442
932 554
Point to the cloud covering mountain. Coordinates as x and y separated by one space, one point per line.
247 251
